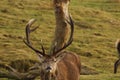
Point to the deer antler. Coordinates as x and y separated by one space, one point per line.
12 73
70 21
27 41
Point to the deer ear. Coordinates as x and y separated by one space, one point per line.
40 57
60 56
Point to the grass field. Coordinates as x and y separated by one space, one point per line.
97 27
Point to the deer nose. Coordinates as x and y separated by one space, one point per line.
48 68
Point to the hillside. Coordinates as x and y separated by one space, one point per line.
97 27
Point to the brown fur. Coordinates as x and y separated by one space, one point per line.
68 68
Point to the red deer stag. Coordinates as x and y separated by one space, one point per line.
60 65
118 61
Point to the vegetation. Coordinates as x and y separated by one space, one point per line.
97 27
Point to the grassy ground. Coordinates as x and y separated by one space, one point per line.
97 27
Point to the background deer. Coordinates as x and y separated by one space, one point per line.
61 65
118 61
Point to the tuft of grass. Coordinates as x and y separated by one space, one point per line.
22 65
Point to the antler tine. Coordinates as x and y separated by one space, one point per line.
27 41
71 36
28 30
72 29
42 48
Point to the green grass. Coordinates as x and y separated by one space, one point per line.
97 27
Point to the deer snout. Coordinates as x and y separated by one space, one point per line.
48 69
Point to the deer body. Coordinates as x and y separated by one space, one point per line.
68 68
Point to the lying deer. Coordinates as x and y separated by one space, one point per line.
61 65
118 61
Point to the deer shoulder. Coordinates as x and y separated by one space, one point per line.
70 66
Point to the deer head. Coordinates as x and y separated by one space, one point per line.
48 62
